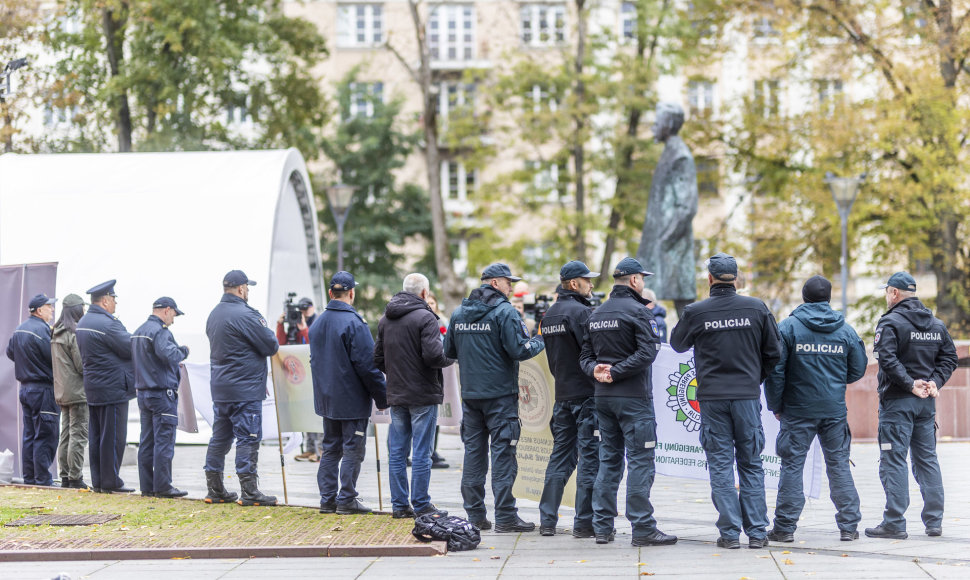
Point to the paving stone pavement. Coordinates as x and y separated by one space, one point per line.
683 507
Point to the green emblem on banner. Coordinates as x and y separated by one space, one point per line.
683 396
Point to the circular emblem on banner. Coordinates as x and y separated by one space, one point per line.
535 397
683 396
293 367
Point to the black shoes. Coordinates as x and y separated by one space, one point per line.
757 543
483 524
583 533
251 496
78 484
518 525
881 532
547 530
121 489
399 514
656 538
605 538
847 536
730 544
329 507
172 493
780 536
354 507
431 509
438 462
934 532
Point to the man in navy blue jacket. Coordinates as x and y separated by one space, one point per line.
239 342
109 384
345 381
30 350
156 357
820 354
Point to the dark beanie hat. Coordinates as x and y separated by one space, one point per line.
817 289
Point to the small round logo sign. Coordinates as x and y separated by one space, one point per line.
683 396
535 397
293 367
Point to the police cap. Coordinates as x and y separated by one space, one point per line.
166 302
817 289
103 289
723 267
901 281
576 269
236 278
40 300
342 281
499 270
629 266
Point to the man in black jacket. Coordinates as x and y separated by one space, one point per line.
239 343
573 421
620 344
736 344
409 351
916 358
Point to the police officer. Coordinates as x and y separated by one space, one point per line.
239 344
109 384
736 345
30 350
573 421
916 357
621 342
488 337
156 357
820 354
345 382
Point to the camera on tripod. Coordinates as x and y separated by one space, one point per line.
536 305
596 299
294 316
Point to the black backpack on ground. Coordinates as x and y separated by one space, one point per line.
458 532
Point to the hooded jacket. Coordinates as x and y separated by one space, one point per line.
488 338
345 379
30 350
239 343
660 314
562 329
912 344
68 368
156 356
820 355
410 352
623 333
106 353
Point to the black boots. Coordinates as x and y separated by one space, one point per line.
250 493
217 492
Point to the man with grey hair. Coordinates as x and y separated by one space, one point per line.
410 352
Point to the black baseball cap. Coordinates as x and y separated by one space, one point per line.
902 281
723 267
236 278
817 289
499 270
304 303
576 269
629 266
166 302
103 289
342 281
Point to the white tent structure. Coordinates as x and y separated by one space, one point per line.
166 224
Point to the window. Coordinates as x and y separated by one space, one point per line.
548 179
360 24
700 97
543 24
362 99
766 100
764 28
451 32
237 110
454 95
628 20
829 94
708 177
542 97
457 181
55 116
702 23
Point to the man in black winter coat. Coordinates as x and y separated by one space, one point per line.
409 351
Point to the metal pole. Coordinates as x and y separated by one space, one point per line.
377 453
844 218
340 244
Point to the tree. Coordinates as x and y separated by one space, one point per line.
385 216
166 72
17 30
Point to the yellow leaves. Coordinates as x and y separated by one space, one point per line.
787 562
476 560
580 561
787 552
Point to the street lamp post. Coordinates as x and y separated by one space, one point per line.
340 196
844 191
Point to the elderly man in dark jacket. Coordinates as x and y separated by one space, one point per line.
410 353
30 350
345 381
820 355
239 342
109 383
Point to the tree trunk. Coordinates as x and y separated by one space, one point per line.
579 153
114 38
8 139
452 287
952 279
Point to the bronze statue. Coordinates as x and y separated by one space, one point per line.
667 244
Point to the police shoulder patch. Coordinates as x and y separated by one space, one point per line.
654 327
878 335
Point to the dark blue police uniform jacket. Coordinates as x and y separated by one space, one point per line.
105 347
156 356
30 350
239 343
345 378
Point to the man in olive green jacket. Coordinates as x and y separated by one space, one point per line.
69 394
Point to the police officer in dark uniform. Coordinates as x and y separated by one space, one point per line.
916 358
820 354
488 338
573 421
621 342
239 344
736 345
109 384
156 357
30 350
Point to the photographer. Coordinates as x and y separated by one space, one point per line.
299 317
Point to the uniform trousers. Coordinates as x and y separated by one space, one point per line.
41 418
159 419
575 442
490 424
108 429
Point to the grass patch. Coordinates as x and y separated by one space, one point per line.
165 523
